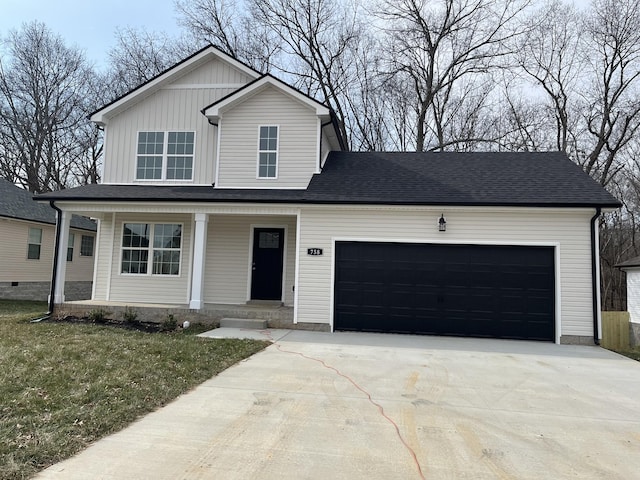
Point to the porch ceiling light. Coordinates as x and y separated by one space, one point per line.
442 224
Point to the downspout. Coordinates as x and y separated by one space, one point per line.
594 276
55 257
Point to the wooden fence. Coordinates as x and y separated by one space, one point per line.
615 330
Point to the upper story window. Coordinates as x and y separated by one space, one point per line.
268 152
34 243
165 156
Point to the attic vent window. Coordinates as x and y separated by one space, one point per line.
268 152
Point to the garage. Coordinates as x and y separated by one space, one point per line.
498 291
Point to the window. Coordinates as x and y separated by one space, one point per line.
72 241
34 243
268 152
163 252
86 246
165 156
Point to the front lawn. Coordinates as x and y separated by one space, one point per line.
62 386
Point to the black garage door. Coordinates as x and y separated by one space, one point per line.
470 290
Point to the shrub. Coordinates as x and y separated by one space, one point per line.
129 315
169 324
98 315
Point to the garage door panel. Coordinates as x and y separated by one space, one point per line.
495 291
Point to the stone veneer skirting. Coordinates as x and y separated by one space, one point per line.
40 291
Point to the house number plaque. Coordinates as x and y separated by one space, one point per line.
314 251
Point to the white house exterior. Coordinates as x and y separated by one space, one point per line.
223 186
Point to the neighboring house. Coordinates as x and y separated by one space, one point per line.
223 186
27 237
632 268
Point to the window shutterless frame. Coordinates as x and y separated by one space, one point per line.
148 253
164 155
268 152
34 243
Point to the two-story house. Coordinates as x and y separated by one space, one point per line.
226 187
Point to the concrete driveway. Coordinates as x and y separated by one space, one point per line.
440 408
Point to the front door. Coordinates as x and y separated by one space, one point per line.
266 268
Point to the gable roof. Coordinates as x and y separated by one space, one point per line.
18 203
523 179
325 113
193 61
212 112
459 178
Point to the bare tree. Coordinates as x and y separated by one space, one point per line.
44 87
228 25
435 44
139 55
612 36
550 55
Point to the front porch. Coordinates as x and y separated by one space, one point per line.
275 314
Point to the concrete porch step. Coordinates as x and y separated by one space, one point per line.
243 323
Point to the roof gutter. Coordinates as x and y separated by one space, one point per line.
56 249
595 255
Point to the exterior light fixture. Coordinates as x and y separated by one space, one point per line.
442 224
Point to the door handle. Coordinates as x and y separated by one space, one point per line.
253 266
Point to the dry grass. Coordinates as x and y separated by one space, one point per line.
63 386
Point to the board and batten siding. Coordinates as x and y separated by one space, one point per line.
227 267
16 267
176 107
167 289
297 141
569 229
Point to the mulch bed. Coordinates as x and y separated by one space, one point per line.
147 327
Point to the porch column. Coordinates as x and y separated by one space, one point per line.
60 274
197 272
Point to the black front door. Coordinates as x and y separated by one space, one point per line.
266 270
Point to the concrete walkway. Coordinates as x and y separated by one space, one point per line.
440 408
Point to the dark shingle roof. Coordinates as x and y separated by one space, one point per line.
18 203
632 262
399 178
453 178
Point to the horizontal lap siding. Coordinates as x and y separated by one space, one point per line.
228 256
80 269
297 148
151 288
570 229
170 109
14 238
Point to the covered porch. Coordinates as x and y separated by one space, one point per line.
228 260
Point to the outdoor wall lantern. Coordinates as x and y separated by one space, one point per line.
442 224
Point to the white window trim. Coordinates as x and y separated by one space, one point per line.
29 243
71 244
277 152
165 155
150 249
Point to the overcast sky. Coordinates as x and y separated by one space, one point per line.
89 24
